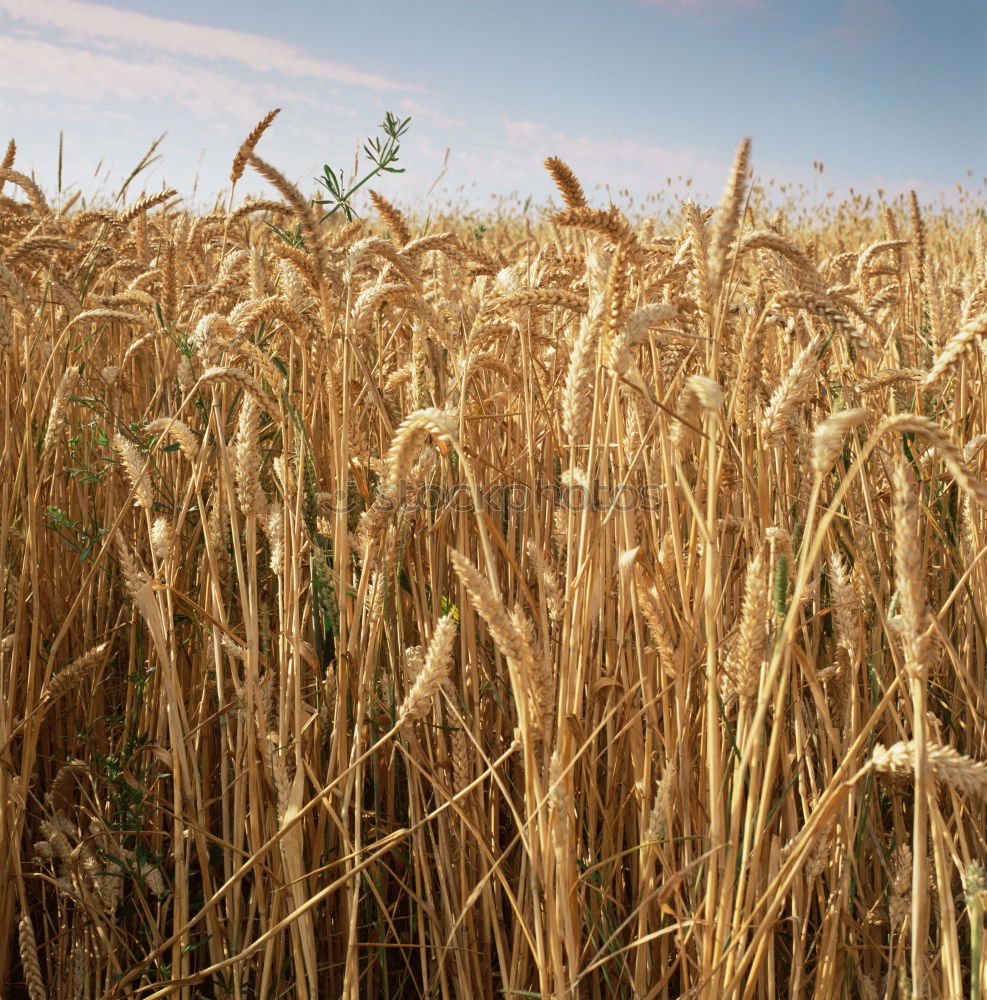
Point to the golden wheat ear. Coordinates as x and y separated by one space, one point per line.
567 183
249 145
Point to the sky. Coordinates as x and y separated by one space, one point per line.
641 98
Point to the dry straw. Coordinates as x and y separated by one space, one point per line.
550 794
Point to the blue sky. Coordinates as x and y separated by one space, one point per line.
887 94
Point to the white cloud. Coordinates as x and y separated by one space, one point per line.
90 24
427 112
112 81
621 163
79 75
862 22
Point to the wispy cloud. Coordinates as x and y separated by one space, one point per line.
86 75
429 112
862 23
89 24
514 158
607 151
125 77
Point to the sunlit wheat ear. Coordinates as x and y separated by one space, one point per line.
363 255
750 375
846 614
824 307
918 234
554 601
180 431
580 380
567 183
402 453
29 187
910 570
392 218
67 383
250 494
212 334
433 673
514 636
619 356
944 763
294 287
217 524
163 539
133 463
68 677
654 616
744 663
727 218
536 674
610 224
412 661
145 204
951 455
279 771
301 206
689 411
257 281
237 377
249 144
6 331
790 393
708 392
662 806
461 754
489 607
134 576
762 239
615 297
827 438
968 336
273 526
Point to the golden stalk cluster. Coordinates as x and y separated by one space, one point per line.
593 610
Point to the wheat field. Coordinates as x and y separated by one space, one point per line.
591 610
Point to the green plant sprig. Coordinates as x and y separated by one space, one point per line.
381 152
